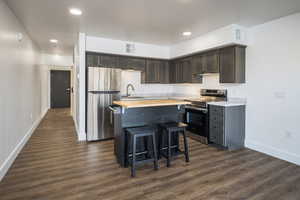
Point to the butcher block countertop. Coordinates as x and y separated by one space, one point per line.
150 103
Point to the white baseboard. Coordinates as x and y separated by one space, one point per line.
13 155
278 153
80 136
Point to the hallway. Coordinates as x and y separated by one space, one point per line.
54 162
53 165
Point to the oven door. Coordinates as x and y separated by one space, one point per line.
197 120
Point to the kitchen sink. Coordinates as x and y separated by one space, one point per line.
131 98
138 98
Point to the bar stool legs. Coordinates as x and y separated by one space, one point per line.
144 133
170 129
169 149
133 155
186 147
155 152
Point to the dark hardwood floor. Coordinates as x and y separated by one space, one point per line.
53 165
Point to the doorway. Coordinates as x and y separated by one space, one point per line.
60 89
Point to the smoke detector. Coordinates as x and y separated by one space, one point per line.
20 37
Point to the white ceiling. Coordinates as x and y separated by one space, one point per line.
149 21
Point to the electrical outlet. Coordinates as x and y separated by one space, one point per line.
288 134
31 116
280 95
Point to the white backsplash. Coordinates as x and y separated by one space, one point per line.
134 77
212 82
209 82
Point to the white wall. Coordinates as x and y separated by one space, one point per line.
220 37
45 91
105 45
20 88
79 86
57 60
232 34
273 68
272 88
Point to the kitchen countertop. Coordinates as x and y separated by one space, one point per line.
150 103
230 102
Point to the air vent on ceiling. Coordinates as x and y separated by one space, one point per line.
130 48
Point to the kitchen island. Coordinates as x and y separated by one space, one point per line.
141 113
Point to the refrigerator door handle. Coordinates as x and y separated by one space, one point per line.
112 109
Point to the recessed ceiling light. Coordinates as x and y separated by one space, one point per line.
54 41
187 33
75 11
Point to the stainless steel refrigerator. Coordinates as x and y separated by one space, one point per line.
104 86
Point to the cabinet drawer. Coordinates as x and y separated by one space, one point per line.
216 119
216 125
216 135
216 111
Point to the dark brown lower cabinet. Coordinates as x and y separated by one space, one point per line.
227 126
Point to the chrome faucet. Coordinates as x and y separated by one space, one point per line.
127 89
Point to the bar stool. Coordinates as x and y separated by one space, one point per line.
172 128
133 135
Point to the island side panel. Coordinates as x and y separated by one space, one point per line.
134 117
119 137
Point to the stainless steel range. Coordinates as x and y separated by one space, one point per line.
197 116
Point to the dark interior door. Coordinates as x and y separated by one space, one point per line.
60 89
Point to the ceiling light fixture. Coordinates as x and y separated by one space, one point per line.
75 11
187 33
54 41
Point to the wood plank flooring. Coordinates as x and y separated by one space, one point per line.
53 165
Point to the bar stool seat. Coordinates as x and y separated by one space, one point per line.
133 134
172 128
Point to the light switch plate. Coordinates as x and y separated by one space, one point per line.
280 95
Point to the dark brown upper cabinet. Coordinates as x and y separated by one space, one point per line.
92 60
183 71
131 63
232 64
197 69
102 60
229 62
172 71
156 71
109 61
186 65
206 63
210 62
176 71
164 72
